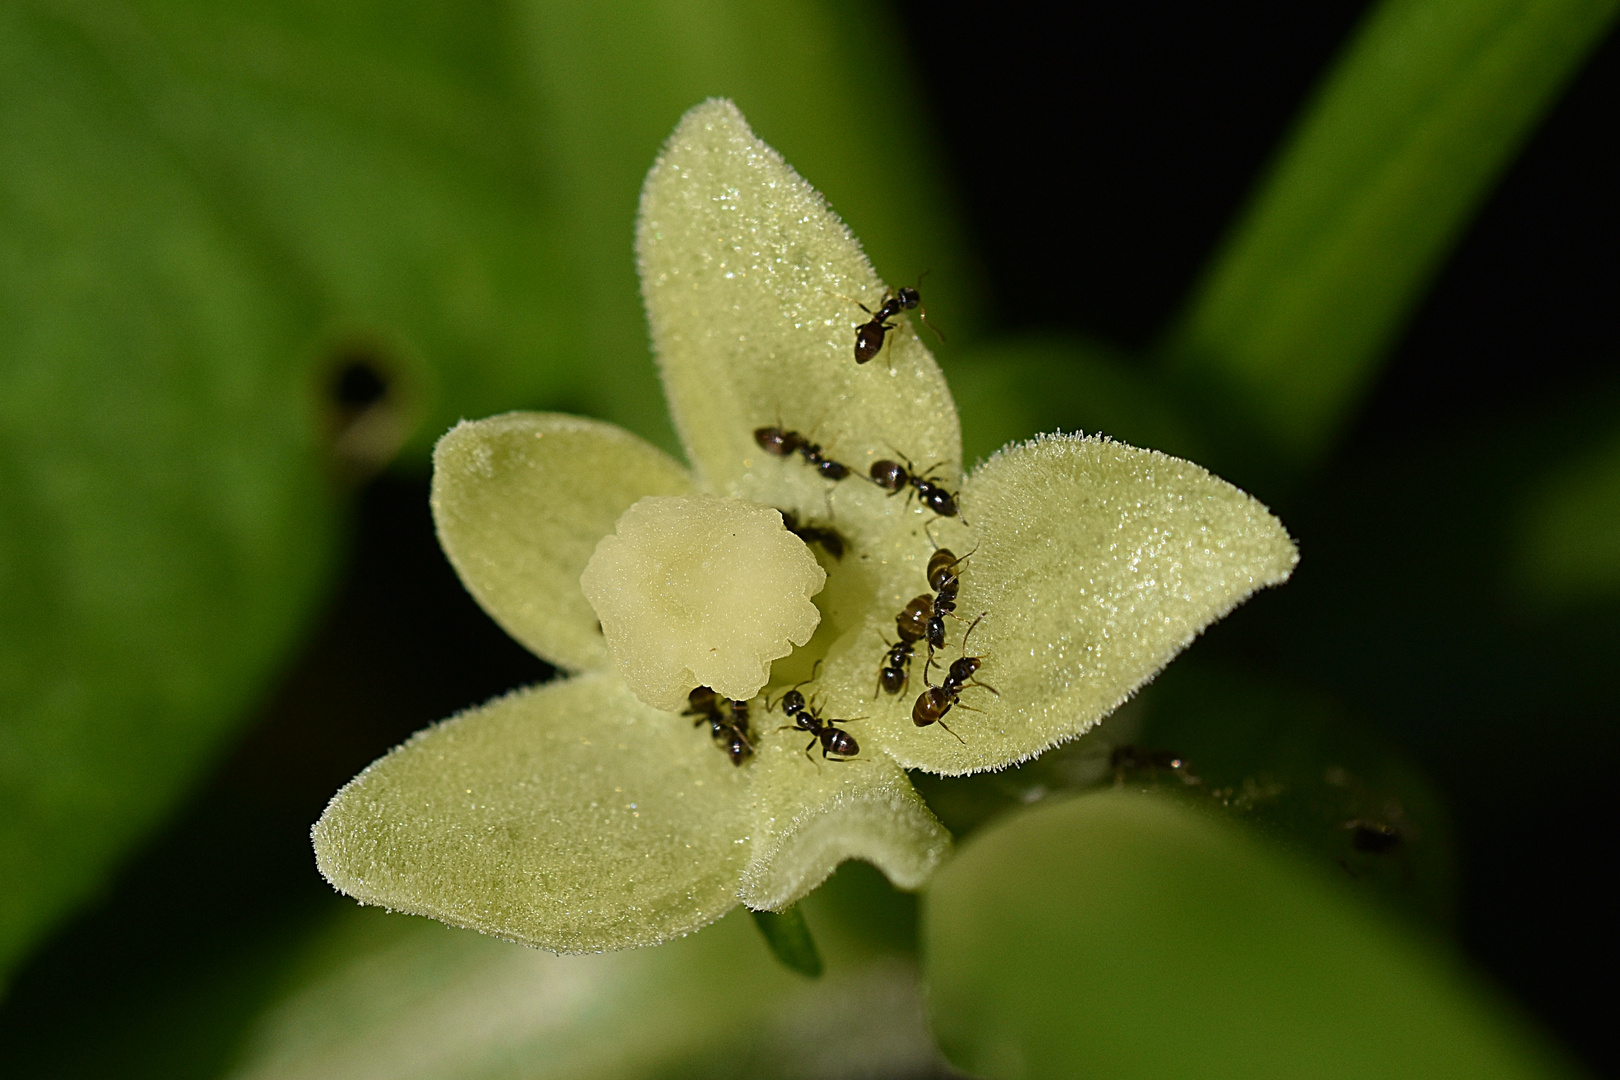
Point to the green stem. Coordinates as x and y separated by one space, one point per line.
788 935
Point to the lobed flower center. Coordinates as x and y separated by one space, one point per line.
697 590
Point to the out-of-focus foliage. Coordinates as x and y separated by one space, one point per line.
1570 528
396 998
1293 766
163 523
1404 140
1118 935
210 212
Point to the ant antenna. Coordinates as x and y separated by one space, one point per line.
971 628
922 309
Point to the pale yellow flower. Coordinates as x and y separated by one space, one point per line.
576 817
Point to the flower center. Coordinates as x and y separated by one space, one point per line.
696 590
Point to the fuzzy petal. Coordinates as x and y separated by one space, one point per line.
751 285
569 816
521 501
1096 564
811 815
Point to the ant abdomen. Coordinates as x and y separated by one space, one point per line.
891 476
912 623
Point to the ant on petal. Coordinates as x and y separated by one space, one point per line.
932 704
836 743
781 442
728 721
870 335
894 478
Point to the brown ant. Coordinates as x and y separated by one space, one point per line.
869 336
923 618
836 743
895 671
894 477
946 583
829 538
781 442
728 721
932 704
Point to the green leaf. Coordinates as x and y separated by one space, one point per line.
164 523
1012 389
388 997
1119 935
1305 772
788 935
1569 528
1402 142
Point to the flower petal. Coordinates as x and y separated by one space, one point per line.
1096 564
568 816
809 816
521 501
751 285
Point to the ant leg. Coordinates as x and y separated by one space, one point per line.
954 735
986 685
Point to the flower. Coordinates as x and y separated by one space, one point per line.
576 817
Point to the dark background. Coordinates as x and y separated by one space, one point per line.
1096 170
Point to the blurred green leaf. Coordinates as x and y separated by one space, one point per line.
1403 141
1570 528
1119 934
1305 772
1011 389
1295 766
164 525
398 997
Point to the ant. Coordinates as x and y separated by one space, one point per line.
933 703
728 721
923 618
829 538
836 743
895 671
946 583
869 335
894 477
782 442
